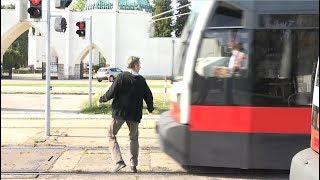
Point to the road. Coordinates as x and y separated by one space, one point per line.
36 102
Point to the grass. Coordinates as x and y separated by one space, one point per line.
75 87
161 104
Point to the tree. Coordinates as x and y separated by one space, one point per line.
162 28
9 6
21 45
79 5
11 58
181 20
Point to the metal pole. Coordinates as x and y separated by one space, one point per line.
90 65
47 110
172 63
114 33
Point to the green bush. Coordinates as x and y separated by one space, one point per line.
95 68
11 59
161 104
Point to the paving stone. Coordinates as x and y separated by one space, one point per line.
28 159
96 151
79 142
94 163
160 162
80 136
83 132
15 136
67 161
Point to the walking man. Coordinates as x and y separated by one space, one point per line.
128 91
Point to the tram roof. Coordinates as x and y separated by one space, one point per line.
276 5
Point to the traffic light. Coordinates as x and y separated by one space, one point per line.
60 24
61 4
82 28
35 8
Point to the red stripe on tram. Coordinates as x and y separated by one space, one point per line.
250 119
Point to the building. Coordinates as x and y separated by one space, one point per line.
118 32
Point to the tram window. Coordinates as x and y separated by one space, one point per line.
179 63
277 72
221 68
289 20
282 68
226 14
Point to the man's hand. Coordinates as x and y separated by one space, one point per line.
150 110
101 100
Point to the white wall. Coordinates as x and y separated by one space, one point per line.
8 20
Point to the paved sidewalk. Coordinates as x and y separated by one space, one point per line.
77 144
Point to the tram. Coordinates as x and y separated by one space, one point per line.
241 95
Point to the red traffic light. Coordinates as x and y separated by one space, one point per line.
81 25
35 2
82 28
35 9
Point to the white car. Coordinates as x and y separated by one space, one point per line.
107 73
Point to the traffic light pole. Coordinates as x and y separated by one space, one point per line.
173 56
48 72
90 65
47 110
90 62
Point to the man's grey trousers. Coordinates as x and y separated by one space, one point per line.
114 127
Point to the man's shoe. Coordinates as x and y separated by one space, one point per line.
134 169
119 166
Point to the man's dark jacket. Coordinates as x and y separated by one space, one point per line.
128 92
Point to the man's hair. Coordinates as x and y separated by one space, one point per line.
132 61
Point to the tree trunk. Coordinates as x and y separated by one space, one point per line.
10 73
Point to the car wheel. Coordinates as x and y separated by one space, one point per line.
111 79
99 80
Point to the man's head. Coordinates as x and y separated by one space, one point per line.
134 63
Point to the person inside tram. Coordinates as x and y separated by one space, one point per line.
237 67
238 60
